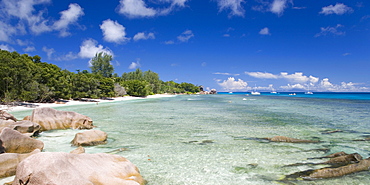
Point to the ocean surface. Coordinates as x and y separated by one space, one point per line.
218 139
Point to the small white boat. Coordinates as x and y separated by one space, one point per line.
308 90
273 90
292 94
255 93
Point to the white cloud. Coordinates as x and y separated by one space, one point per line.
296 77
290 87
299 81
90 47
139 9
49 51
135 65
331 31
24 11
227 74
135 8
265 31
169 42
234 5
20 17
29 49
143 36
7 31
338 9
346 54
262 75
185 36
233 85
6 47
278 6
325 85
113 31
68 17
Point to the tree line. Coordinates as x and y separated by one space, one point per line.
27 78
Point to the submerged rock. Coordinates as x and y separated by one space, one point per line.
50 119
82 169
345 159
90 138
15 142
331 155
290 140
341 164
363 165
337 161
10 161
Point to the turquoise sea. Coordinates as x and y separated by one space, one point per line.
215 139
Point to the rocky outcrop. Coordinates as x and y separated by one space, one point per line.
290 140
82 169
25 127
337 159
90 138
6 116
15 142
50 119
344 159
28 128
10 161
340 164
363 165
78 150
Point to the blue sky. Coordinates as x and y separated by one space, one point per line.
229 45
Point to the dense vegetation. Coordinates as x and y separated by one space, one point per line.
26 78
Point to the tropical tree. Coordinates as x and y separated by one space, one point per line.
100 64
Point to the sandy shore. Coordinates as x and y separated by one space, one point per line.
30 106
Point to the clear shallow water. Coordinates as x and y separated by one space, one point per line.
210 139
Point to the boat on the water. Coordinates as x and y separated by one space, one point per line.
255 92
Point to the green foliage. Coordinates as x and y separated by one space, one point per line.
26 78
100 64
137 88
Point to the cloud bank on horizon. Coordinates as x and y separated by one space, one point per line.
296 82
208 38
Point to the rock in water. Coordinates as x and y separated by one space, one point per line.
49 119
15 142
363 165
10 161
290 140
90 138
80 169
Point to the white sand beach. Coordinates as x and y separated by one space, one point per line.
28 106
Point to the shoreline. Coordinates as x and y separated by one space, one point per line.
31 106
